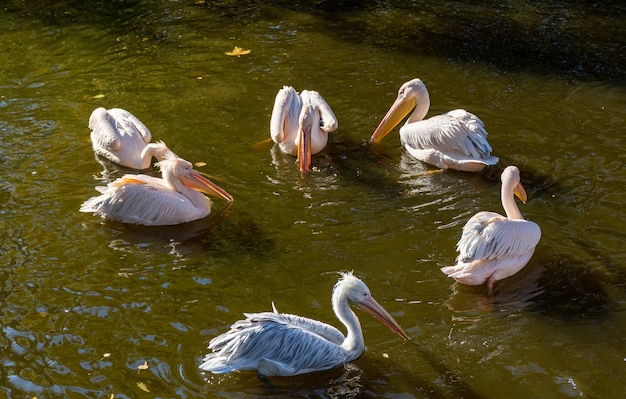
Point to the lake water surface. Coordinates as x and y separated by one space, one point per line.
94 309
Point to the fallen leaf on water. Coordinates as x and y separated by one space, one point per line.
199 164
238 51
143 387
143 366
98 96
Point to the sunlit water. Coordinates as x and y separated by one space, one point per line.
94 309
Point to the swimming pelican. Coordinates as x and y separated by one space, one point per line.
454 140
300 130
278 344
120 137
493 247
151 201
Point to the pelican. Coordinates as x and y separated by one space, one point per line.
279 344
493 247
454 140
150 201
300 124
119 136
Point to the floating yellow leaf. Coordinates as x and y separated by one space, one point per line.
199 164
238 51
99 96
143 366
143 387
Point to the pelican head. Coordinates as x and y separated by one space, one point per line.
359 296
411 95
511 182
176 170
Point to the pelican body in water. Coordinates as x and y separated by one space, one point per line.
141 199
300 124
278 344
493 247
120 137
454 140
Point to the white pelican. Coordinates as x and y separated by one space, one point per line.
120 137
151 201
300 130
454 140
493 247
278 344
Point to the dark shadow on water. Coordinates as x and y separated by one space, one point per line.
575 38
557 285
347 381
223 233
572 291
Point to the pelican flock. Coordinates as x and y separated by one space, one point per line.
493 247
454 140
278 344
300 124
122 138
146 200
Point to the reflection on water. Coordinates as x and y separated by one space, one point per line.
342 382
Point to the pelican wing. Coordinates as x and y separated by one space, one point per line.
119 136
328 120
456 132
284 120
142 199
130 124
324 330
489 235
273 344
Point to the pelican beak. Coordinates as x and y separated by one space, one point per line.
400 108
200 183
520 192
370 306
304 140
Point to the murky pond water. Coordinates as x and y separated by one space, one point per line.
85 303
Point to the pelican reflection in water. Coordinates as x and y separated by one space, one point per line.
493 247
141 199
122 138
454 140
300 124
278 344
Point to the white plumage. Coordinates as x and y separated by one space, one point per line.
300 123
493 247
454 140
150 201
276 344
119 136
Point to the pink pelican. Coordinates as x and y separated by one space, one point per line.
493 247
120 137
454 140
150 201
279 344
300 124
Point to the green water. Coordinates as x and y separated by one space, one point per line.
84 303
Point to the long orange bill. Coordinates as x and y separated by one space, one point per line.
200 183
304 148
520 192
400 108
370 306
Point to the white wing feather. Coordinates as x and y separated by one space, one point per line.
142 199
259 343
